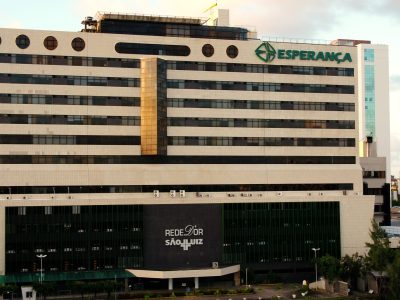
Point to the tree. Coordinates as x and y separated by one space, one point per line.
80 287
394 278
8 288
329 267
95 287
109 286
379 254
351 267
44 288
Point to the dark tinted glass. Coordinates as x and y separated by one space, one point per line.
78 44
50 43
152 49
232 51
257 68
168 29
208 50
22 41
160 159
259 86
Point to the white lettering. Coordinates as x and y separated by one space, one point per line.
187 231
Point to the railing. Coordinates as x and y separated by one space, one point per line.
295 40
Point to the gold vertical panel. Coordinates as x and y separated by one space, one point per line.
153 106
148 106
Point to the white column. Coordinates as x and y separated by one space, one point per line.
170 284
196 282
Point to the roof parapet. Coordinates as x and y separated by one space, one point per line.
149 18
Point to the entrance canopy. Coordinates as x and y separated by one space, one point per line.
184 273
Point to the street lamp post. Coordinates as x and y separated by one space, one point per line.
246 277
41 256
316 270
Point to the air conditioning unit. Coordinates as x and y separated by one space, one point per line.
8 197
24 197
214 265
182 193
279 194
231 195
309 194
172 193
345 193
321 193
156 193
52 197
69 197
260 195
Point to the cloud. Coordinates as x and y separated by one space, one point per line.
395 82
285 18
389 7
157 7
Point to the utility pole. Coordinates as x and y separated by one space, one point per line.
316 270
41 256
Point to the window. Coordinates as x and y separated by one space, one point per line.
232 51
78 44
76 210
22 211
152 49
369 55
208 50
22 41
50 43
47 210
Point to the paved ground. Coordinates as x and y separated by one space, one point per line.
264 292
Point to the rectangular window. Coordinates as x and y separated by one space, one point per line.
369 55
22 211
76 210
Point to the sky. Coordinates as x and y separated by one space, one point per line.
374 20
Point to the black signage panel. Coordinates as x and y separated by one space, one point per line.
182 236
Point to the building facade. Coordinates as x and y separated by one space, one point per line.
173 149
373 63
375 126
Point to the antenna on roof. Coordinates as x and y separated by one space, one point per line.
211 7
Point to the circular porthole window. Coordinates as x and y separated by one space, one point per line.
208 50
232 51
78 44
50 43
22 41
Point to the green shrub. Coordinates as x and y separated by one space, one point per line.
208 292
232 292
304 288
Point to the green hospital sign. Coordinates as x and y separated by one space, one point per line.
267 53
